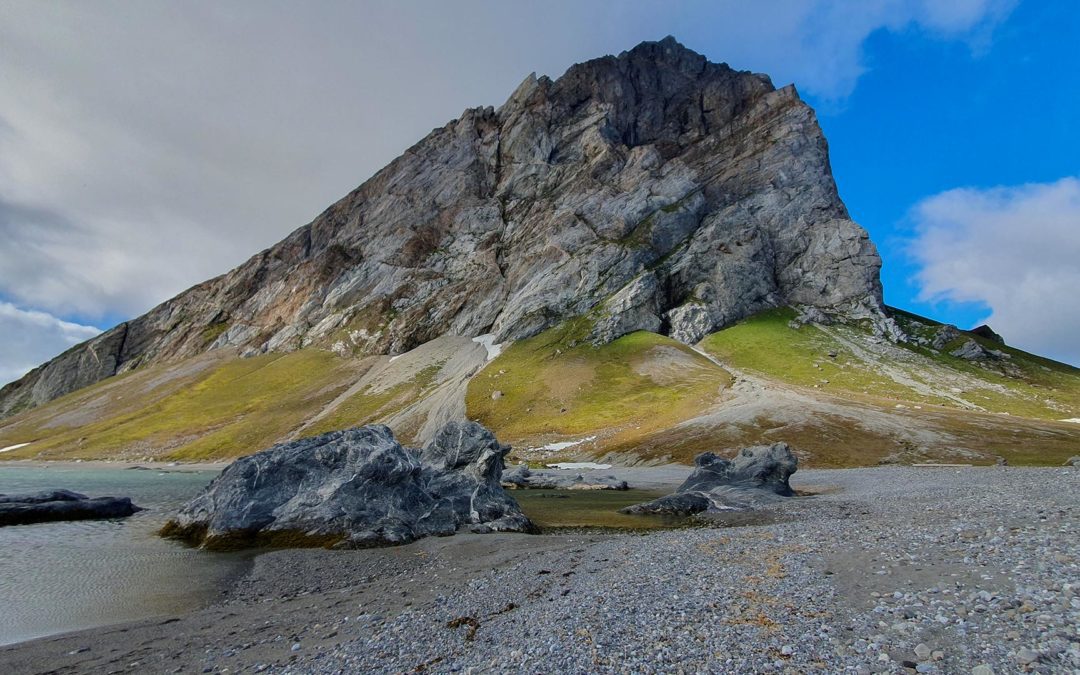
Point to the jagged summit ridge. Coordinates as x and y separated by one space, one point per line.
653 190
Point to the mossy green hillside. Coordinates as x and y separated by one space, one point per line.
808 356
240 407
552 387
766 344
371 405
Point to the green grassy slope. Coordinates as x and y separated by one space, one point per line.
838 394
550 387
231 408
369 405
847 360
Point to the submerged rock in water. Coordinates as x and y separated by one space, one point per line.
52 505
354 488
755 476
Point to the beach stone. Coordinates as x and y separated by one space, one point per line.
354 488
1025 656
982 669
755 475
54 505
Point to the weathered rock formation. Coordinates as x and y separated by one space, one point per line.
522 477
654 190
354 488
41 507
756 475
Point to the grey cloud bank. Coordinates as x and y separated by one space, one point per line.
31 337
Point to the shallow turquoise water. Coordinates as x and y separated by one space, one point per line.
57 577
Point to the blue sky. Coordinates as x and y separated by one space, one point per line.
145 147
932 115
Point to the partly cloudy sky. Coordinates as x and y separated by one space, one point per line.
1014 249
146 146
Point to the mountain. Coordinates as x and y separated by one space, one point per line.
655 243
656 189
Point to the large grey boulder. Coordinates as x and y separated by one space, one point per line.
756 476
354 488
652 190
53 505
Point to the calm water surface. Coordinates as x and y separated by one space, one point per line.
591 508
57 577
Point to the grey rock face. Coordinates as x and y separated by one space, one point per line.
973 351
463 465
650 191
354 488
945 334
756 475
56 505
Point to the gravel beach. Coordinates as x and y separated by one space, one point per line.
893 569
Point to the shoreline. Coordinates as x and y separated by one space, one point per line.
837 580
112 464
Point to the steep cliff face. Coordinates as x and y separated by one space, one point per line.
654 190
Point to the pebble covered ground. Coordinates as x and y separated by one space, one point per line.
896 569
891 569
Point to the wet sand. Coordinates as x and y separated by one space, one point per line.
312 597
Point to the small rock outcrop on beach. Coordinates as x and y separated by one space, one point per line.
522 477
42 507
756 475
353 489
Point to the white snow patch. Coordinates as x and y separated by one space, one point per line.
1074 420
395 358
578 465
23 445
565 444
488 340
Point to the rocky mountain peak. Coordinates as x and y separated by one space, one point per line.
653 190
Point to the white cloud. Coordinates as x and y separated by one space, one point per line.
1017 249
31 337
147 146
